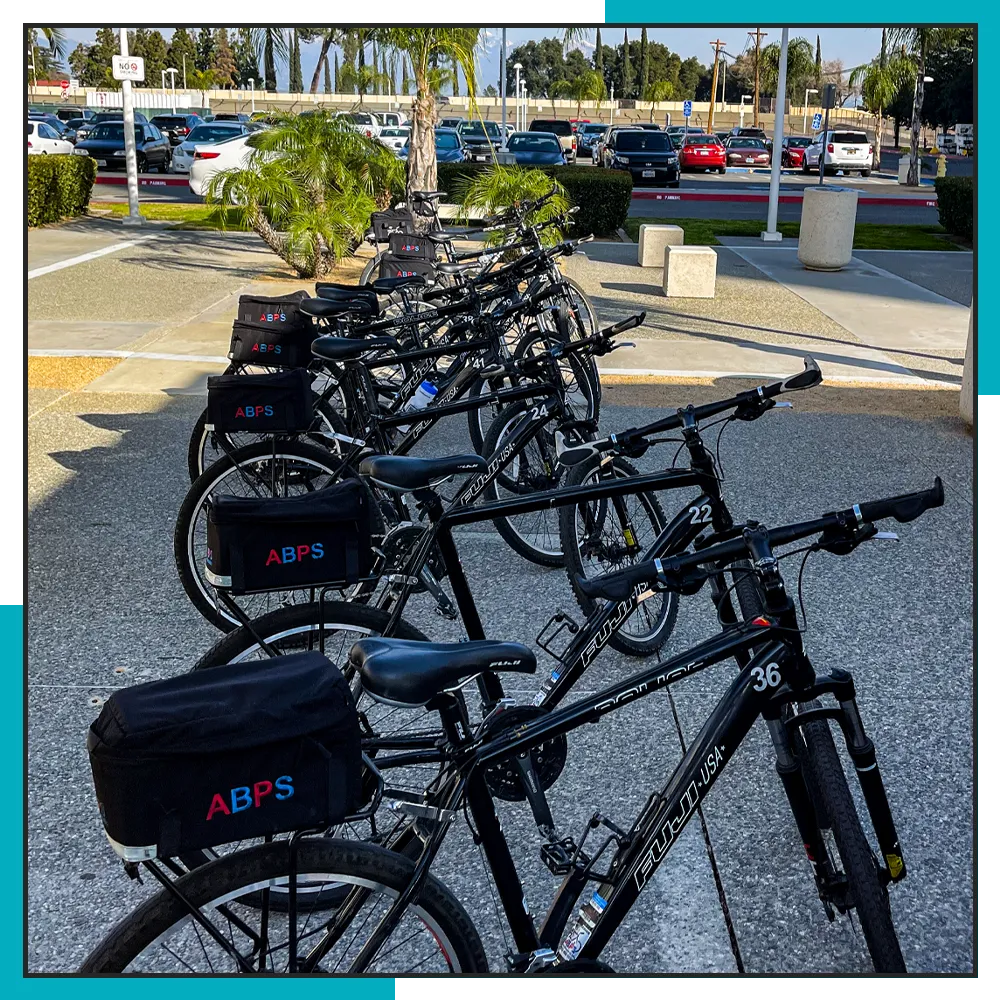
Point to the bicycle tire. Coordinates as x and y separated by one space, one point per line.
232 878
188 562
622 641
541 546
870 899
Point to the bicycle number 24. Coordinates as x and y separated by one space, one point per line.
765 677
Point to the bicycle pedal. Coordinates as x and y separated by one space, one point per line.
558 855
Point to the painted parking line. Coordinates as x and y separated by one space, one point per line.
84 257
143 181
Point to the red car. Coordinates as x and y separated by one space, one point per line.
793 149
747 151
703 152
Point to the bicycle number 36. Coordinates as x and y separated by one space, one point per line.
701 514
765 677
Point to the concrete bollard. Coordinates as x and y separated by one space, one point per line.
689 272
826 233
652 240
967 398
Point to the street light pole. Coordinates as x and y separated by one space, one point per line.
743 99
771 234
173 89
612 105
805 116
128 124
517 97
253 83
503 87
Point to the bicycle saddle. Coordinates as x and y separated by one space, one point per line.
338 293
405 474
386 285
454 267
343 349
428 195
407 672
327 308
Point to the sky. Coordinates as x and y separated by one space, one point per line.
852 46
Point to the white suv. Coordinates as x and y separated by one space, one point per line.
845 150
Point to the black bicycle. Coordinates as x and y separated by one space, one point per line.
391 915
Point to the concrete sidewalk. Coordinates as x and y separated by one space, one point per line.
869 324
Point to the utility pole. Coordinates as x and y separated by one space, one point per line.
758 34
715 79
131 164
503 88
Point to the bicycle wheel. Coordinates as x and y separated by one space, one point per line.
534 536
264 469
606 535
838 817
434 933
580 398
206 447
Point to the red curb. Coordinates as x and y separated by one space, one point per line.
143 181
783 199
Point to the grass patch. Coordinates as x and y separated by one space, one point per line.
867 235
186 216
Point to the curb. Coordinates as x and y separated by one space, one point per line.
783 199
122 181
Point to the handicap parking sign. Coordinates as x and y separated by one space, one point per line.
817 122
687 109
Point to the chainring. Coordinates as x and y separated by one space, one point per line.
548 759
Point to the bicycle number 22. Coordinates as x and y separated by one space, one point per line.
701 514
766 677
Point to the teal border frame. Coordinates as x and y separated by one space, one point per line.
517 13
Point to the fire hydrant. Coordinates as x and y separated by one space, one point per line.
942 165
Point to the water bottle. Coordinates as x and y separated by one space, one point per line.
425 394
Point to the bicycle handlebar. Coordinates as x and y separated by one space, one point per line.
841 531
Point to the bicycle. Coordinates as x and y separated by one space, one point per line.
778 683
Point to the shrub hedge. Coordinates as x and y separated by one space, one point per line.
59 186
604 196
956 204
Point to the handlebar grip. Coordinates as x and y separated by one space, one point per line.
626 324
618 585
805 379
907 507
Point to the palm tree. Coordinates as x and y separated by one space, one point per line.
662 90
800 61
365 79
501 187
46 59
588 86
308 189
270 47
327 37
880 81
420 46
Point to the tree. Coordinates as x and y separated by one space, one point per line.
655 93
271 47
155 54
387 87
349 47
182 53
589 87
308 189
327 37
405 85
690 74
800 69
295 84
502 187
336 74
97 70
599 55
627 78
880 81
327 87
818 68
491 91
950 98
245 57
420 45
205 58
224 64
643 62
378 86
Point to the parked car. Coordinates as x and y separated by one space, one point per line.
481 139
176 127
107 116
648 156
748 132
447 144
536 149
106 144
793 149
363 122
72 126
449 122
204 135
845 150
43 138
43 116
395 137
232 116
391 119
742 150
561 128
68 112
587 135
702 152
210 159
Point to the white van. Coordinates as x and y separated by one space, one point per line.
846 149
